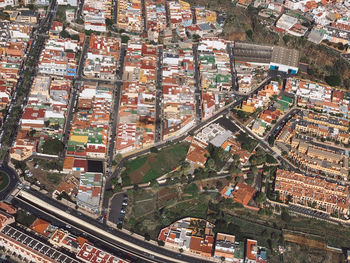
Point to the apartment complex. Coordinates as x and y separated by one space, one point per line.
129 16
179 108
58 57
89 193
313 192
155 18
262 98
196 236
270 115
14 43
191 234
90 124
95 14
102 57
319 96
43 117
324 126
136 125
215 73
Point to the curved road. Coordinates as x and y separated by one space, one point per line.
13 180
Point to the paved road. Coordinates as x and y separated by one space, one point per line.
281 122
159 96
133 250
114 116
198 91
74 96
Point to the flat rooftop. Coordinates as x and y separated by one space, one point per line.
285 56
252 53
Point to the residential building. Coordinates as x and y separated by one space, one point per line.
136 127
312 192
89 193
102 57
91 254
191 234
179 108
129 16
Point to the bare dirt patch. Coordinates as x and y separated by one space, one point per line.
137 175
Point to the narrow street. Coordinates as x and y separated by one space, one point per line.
198 92
159 96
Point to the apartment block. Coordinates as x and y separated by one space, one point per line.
179 108
319 96
313 192
58 57
191 234
180 14
262 98
215 73
89 132
91 254
155 18
89 193
102 57
129 16
136 125
14 43
43 117
95 14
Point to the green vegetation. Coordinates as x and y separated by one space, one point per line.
125 38
51 164
4 180
333 80
61 12
109 24
151 166
54 147
54 178
247 142
25 218
217 157
4 15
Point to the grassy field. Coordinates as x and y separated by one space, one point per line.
4 181
153 165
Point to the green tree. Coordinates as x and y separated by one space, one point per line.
64 34
285 216
125 38
75 37
218 184
260 198
53 146
249 34
147 237
333 80
161 243
154 150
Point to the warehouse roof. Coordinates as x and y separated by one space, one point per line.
285 56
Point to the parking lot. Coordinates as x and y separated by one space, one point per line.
309 212
117 208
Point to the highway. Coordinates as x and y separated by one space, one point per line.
115 240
